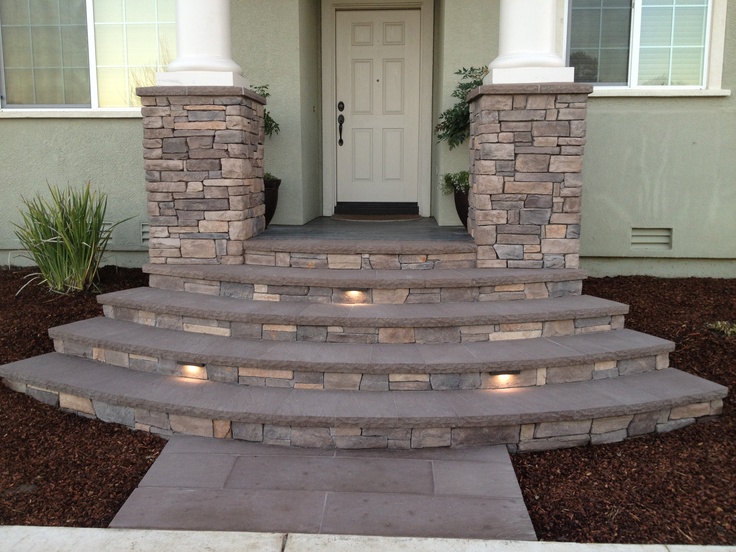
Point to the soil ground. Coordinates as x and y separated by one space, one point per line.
60 469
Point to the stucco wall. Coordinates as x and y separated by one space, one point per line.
455 21
663 163
105 152
276 42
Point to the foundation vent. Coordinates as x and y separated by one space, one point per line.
145 233
651 239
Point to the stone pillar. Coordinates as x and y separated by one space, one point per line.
526 145
203 47
203 156
528 45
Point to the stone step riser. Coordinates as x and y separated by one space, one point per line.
361 261
522 437
307 292
262 374
338 331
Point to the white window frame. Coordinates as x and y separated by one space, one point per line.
59 111
713 62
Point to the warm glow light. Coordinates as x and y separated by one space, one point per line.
354 297
193 371
503 378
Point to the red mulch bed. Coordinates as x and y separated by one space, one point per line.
60 469
675 488
57 468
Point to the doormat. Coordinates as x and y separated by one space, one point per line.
376 218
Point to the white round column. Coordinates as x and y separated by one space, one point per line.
203 48
528 45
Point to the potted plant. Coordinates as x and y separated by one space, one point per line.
458 184
454 128
270 182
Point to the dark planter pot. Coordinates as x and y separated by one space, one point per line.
461 206
271 197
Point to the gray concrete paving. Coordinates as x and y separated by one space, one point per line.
207 484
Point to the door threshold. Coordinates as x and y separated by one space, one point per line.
376 208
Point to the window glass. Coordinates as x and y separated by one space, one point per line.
599 40
134 40
45 56
670 46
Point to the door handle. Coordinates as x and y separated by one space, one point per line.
340 122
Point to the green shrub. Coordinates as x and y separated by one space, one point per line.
454 125
269 125
452 182
66 237
726 328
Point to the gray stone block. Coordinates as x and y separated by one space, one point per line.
674 424
46 397
248 432
114 414
636 365
484 436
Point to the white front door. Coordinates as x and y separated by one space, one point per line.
378 102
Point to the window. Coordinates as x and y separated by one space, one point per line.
640 43
51 56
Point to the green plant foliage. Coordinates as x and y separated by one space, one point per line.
269 125
454 125
456 182
726 328
66 237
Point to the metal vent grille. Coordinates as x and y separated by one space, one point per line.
145 233
651 239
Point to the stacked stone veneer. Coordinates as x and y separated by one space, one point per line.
203 156
526 162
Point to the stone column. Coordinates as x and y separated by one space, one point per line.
203 47
528 45
203 156
526 143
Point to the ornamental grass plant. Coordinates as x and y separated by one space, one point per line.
66 237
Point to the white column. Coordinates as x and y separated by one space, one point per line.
528 45
203 47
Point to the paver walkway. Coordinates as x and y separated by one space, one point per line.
223 485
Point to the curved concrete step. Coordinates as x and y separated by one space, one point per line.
534 418
365 367
421 323
366 286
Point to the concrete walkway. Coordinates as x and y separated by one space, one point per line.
56 539
224 485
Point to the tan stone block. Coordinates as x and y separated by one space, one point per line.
408 377
663 361
343 382
607 425
566 164
509 288
205 289
521 327
434 437
201 125
209 330
605 365
508 336
560 246
555 231
345 262
527 432
537 188
390 296
487 184
222 429
396 335
558 429
190 425
237 168
533 163
484 167
77 404
198 249
485 218
213 226
265 373
345 431
541 377
690 411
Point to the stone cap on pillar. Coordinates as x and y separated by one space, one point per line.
540 88
148 91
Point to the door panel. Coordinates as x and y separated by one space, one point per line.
377 77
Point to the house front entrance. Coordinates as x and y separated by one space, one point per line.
377 84
377 107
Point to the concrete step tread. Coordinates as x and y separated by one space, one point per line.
403 315
645 392
366 358
359 279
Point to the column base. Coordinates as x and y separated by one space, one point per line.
525 75
201 78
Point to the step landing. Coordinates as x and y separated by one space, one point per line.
206 484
